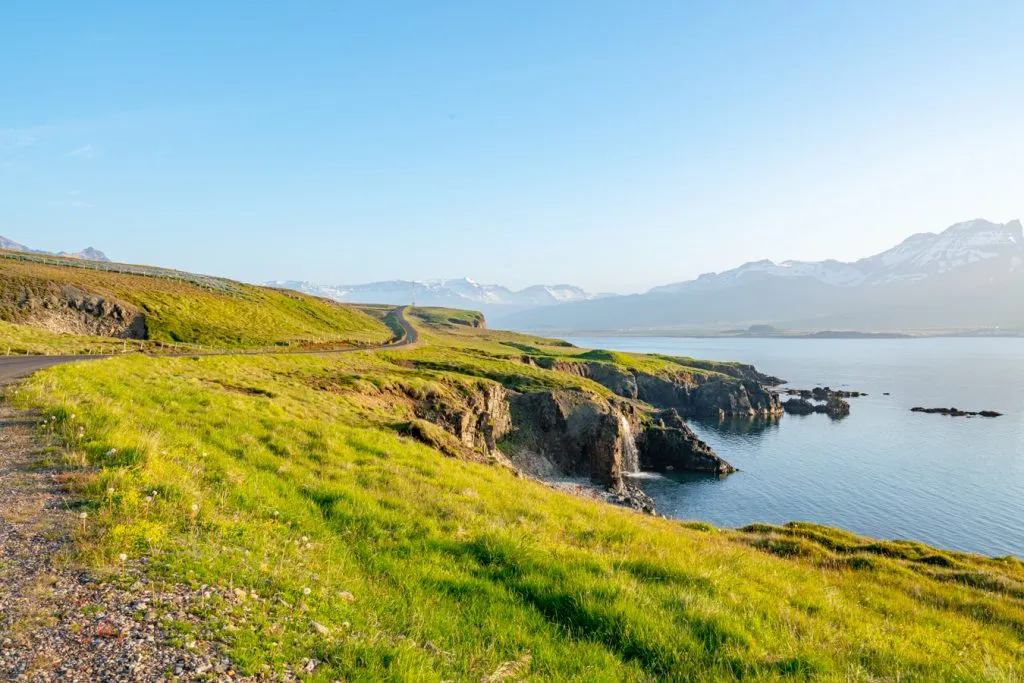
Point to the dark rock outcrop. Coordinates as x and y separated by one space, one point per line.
72 310
798 406
832 402
823 393
956 412
667 443
836 407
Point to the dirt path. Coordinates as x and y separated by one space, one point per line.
57 622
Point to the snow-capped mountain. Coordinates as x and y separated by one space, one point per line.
88 254
927 254
917 257
493 300
967 277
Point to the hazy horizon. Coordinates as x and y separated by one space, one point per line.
607 146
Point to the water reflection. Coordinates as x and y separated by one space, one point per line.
755 426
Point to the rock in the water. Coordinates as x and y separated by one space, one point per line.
798 406
824 393
837 407
955 412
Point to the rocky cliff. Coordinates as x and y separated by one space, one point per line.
558 433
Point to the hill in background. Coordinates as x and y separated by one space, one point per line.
88 254
75 302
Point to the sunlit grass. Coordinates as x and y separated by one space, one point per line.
384 559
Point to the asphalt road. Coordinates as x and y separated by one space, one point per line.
15 367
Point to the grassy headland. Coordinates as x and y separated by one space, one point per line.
294 480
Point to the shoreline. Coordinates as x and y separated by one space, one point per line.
809 336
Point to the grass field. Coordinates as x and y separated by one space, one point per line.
285 477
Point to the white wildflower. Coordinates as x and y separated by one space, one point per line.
123 557
307 591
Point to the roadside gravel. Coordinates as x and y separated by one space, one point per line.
60 622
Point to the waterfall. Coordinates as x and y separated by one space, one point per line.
630 455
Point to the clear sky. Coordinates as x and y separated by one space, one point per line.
614 145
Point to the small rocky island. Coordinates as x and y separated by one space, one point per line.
956 412
825 400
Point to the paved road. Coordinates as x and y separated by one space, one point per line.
16 367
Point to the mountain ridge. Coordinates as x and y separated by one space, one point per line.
87 254
969 276
492 300
957 245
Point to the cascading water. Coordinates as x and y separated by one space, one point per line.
630 455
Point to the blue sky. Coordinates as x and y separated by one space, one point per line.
615 145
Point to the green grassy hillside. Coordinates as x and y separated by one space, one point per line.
291 479
62 298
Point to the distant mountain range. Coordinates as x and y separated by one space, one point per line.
494 301
88 254
969 276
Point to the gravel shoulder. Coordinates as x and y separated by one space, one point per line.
60 622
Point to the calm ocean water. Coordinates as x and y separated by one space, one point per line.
883 471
